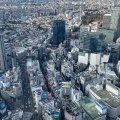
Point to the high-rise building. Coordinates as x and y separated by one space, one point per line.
115 21
110 34
111 26
91 41
106 21
58 32
3 62
115 18
114 55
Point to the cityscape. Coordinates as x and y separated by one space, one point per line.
59 59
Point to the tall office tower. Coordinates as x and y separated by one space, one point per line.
58 32
106 21
110 34
91 42
3 62
115 21
115 18
114 55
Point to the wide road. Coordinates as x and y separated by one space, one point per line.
27 99
27 95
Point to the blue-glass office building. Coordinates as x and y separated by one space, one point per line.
58 32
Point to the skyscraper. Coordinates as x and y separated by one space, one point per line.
91 41
3 61
111 26
58 32
115 18
110 34
115 21
114 55
106 21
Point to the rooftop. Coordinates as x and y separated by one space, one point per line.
73 109
19 49
89 108
107 14
27 116
45 101
108 97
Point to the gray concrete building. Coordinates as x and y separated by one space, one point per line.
106 21
3 62
115 21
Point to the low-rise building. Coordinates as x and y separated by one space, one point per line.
3 109
110 97
73 112
92 109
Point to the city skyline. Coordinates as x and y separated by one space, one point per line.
59 59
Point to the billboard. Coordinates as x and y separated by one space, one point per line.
49 95
2 106
66 84
56 114
46 95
